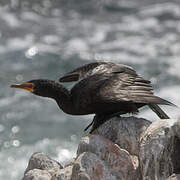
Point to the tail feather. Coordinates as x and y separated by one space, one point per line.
149 99
165 102
154 100
158 111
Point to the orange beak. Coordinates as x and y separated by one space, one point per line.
27 86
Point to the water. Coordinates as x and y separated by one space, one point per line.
40 39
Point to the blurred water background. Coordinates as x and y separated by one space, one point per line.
45 39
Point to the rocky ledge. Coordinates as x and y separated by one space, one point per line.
121 149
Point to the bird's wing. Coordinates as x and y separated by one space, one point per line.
127 86
116 87
80 72
95 68
85 92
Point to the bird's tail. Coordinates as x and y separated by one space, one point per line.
158 111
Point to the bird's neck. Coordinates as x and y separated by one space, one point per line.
59 93
63 99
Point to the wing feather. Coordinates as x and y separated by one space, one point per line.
80 72
129 87
109 82
95 68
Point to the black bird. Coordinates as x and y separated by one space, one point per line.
104 89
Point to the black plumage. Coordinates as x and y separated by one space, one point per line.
103 89
121 85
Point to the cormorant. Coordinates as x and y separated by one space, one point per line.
103 88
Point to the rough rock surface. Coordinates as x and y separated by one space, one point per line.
37 174
119 160
41 161
90 166
160 149
125 132
122 148
64 174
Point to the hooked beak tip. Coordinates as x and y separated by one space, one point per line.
14 86
25 86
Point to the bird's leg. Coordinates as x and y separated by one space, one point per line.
100 119
113 115
97 121
91 123
96 118
87 127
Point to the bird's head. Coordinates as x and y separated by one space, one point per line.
40 87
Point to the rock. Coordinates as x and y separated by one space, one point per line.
37 174
131 149
43 162
124 131
118 160
160 149
174 177
88 166
64 174
69 162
